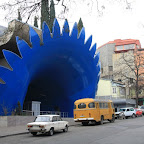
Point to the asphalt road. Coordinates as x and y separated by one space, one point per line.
129 131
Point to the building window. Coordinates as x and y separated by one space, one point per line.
114 90
110 68
119 48
138 46
122 91
131 80
129 46
102 70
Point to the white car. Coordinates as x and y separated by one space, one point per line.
47 124
119 115
128 112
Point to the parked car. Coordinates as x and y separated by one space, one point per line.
47 124
119 115
138 112
128 112
142 108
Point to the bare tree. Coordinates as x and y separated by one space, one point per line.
129 69
30 8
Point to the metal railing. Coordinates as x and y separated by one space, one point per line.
108 97
34 113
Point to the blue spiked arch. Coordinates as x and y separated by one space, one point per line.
63 68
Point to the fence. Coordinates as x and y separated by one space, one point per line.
108 97
117 100
31 113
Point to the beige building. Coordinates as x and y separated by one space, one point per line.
118 62
111 88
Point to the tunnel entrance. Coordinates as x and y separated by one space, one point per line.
55 86
44 90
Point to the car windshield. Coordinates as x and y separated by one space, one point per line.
122 109
42 119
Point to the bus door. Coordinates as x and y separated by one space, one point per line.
110 105
82 111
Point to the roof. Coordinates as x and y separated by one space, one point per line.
87 100
113 81
84 100
126 107
49 115
118 42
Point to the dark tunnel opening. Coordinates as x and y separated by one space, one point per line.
56 84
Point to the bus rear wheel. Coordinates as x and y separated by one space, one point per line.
102 119
85 123
113 119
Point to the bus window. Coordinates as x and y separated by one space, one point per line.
101 105
91 105
74 106
112 105
82 105
106 104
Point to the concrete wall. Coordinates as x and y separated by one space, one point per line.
106 53
13 121
104 88
3 121
9 121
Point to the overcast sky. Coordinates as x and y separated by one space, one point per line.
114 21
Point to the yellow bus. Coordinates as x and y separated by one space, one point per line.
93 111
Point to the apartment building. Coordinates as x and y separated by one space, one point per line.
111 50
118 58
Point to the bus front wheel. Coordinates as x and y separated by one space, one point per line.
85 123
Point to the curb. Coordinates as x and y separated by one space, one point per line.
14 134
8 135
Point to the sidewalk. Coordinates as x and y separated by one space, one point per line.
9 131
17 130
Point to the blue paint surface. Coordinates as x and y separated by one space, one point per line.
63 68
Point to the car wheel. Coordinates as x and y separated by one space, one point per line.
123 117
133 115
51 132
34 133
66 129
102 119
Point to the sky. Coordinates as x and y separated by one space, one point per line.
114 21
